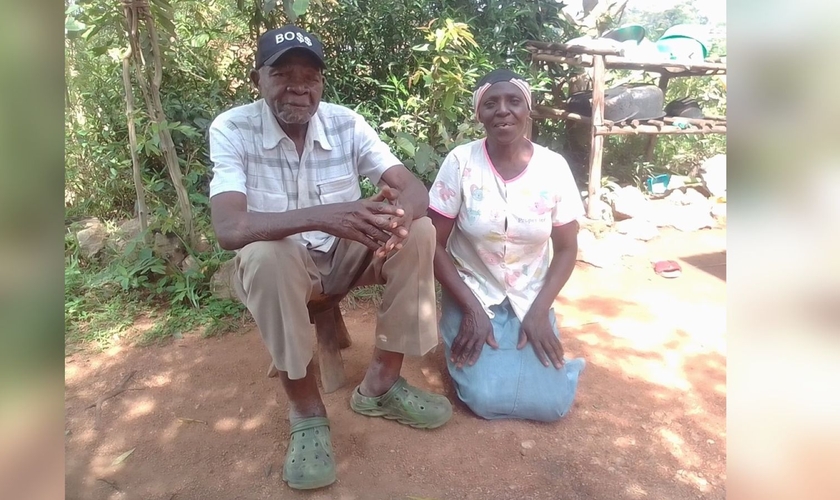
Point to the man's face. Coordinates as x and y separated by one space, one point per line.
292 88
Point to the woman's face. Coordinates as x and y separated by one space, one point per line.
504 112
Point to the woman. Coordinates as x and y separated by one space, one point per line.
496 203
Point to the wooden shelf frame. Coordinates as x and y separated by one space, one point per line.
601 60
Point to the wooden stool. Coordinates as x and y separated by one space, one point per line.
332 335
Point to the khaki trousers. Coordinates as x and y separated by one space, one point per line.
276 279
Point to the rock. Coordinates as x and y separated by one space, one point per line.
597 227
189 264
599 255
528 444
221 284
585 239
130 229
169 248
622 245
638 229
695 197
203 245
718 211
676 197
692 218
127 231
92 237
629 202
603 211
713 175
676 182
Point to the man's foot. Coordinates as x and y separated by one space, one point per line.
310 462
406 404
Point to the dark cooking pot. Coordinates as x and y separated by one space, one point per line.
650 101
685 107
618 104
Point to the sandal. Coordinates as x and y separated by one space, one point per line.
309 459
405 404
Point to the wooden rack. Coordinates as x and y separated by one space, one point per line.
601 60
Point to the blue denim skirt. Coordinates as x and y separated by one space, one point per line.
508 382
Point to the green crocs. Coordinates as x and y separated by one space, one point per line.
309 460
405 404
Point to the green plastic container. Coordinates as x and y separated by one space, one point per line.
678 34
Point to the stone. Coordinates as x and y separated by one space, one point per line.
603 211
127 231
528 444
585 239
713 174
676 182
629 202
130 229
221 284
597 227
190 264
169 248
638 229
203 245
692 218
677 197
622 245
695 197
599 255
92 237
718 211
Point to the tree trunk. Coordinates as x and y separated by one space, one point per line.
166 143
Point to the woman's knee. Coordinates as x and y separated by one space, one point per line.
485 402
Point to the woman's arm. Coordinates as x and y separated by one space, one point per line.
536 327
476 328
445 270
564 243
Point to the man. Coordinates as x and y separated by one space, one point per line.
285 194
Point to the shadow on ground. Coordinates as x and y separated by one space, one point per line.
205 423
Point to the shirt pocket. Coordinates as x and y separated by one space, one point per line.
267 201
339 190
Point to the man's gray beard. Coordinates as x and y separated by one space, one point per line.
293 117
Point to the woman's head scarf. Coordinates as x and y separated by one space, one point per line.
496 76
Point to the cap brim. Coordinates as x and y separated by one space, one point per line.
271 61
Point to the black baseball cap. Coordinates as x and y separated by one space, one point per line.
273 44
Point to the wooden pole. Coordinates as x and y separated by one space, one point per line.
142 211
597 141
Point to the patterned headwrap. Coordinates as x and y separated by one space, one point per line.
496 76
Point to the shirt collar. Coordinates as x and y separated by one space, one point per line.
273 133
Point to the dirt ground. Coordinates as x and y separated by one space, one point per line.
648 422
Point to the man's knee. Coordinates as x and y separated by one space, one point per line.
422 232
281 253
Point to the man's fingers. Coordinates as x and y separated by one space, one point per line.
491 341
389 193
367 241
378 197
381 208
